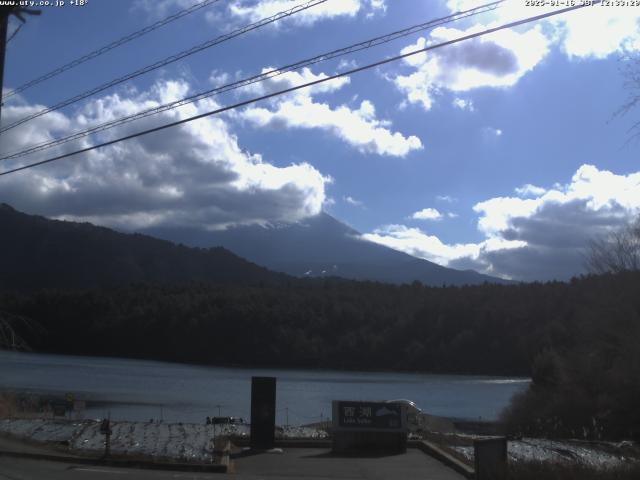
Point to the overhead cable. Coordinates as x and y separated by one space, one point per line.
272 73
102 50
168 60
301 86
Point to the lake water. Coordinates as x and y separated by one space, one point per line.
140 389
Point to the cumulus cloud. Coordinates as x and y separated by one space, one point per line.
192 175
352 201
617 27
359 127
529 190
249 11
501 59
420 244
427 214
496 60
463 104
256 10
537 238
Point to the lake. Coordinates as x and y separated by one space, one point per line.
142 389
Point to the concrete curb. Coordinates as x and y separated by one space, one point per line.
439 454
124 463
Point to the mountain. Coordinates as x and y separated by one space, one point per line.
42 253
323 246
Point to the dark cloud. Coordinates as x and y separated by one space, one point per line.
557 237
565 225
485 56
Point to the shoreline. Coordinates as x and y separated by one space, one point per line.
517 377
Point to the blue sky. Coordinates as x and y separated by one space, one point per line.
501 154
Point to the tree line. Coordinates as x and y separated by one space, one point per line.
578 340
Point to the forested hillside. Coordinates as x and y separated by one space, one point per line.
42 253
578 340
340 324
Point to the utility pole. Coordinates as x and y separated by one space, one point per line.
4 24
5 11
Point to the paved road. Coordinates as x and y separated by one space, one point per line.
320 464
20 469
295 463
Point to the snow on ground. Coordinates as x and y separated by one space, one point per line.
559 451
177 441
189 442
43 430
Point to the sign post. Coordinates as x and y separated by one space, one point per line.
263 412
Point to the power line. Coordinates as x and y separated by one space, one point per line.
258 78
168 60
15 32
304 85
109 47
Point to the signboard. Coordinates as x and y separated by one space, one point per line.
369 416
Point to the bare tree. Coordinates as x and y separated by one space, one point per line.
630 69
10 339
617 252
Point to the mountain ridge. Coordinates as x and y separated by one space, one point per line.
46 253
323 246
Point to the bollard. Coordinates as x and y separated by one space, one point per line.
105 429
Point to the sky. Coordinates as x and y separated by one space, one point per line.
505 154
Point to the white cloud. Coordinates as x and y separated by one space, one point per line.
256 10
500 59
446 198
161 8
573 32
496 60
463 104
491 132
359 127
250 11
427 214
347 64
529 190
194 175
537 238
352 201
417 243
617 29
218 78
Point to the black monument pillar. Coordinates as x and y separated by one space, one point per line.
263 412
